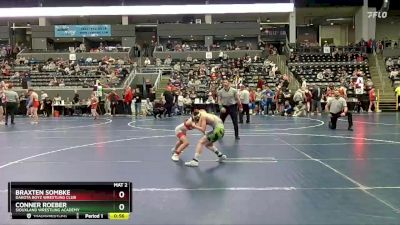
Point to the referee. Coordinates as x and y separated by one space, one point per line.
12 101
337 107
228 99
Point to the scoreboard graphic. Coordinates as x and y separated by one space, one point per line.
70 200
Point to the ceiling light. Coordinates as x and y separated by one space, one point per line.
146 10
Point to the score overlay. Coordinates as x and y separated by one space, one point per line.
70 200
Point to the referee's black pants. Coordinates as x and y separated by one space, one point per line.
232 111
11 109
335 116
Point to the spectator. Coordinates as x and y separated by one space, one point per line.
180 103
268 97
169 102
372 99
316 100
113 98
147 62
128 96
76 100
244 96
138 102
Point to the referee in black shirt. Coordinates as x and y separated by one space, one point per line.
229 101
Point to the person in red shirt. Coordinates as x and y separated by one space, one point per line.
308 95
260 83
128 96
372 99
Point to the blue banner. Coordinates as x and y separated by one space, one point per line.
82 31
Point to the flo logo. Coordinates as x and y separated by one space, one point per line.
382 13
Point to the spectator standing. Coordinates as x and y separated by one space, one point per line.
316 100
138 102
180 103
372 99
169 102
244 96
268 96
128 96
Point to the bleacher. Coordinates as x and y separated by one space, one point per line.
250 74
324 69
42 78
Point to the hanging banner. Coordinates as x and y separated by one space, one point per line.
62 31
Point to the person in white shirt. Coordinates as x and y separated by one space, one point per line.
180 103
187 104
244 96
147 62
177 67
359 85
197 84
168 61
158 62
148 107
210 99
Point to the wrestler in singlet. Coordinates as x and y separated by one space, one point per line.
216 123
210 138
182 128
34 99
93 106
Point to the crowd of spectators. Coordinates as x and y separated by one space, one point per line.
393 67
60 72
197 83
342 70
183 46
